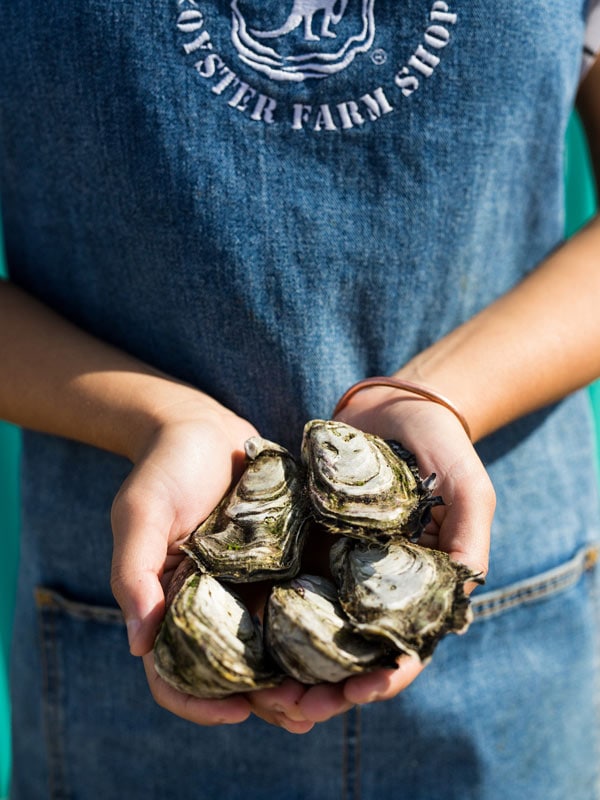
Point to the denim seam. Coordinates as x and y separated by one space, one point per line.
539 587
357 766
47 598
530 590
345 757
52 702
595 590
351 755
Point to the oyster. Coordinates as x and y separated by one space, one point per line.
361 485
208 644
407 593
391 596
308 634
256 531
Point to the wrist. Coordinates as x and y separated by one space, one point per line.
166 403
460 384
406 387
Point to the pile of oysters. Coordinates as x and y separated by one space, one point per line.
386 594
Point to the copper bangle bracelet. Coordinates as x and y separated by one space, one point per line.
407 386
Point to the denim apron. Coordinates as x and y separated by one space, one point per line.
271 201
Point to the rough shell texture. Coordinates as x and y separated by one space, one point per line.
410 594
308 634
256 531
208 644
362 486
391 596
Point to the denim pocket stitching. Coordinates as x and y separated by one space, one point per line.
540 586
47 598
54 723
50 605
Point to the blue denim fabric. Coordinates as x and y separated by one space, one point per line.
272 219
502 712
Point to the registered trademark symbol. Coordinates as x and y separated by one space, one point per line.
379 56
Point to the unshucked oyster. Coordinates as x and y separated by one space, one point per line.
361 485
208 644
390 595
409 594
256 531
309 635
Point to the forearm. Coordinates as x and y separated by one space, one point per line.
531 347
58 379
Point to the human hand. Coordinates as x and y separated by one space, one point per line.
159 504
183 468
461 528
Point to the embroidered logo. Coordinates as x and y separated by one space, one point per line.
301 42
282 53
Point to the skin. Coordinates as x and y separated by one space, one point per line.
521 353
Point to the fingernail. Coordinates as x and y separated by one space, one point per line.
133 628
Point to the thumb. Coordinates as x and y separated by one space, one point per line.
469 519
140 550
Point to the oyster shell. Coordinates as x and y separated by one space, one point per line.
392 596
407 593
308 634
208 644
362 486
256 531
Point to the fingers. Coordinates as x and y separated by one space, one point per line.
229 711
139 554
283 699
466 524
280 720
382 684
296 707
289 725
279 706
324 701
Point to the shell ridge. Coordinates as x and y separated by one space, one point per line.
389 595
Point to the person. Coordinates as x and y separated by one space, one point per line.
218 217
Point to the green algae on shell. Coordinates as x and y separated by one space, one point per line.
409 594
392 596
208 645
363 486
257 531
